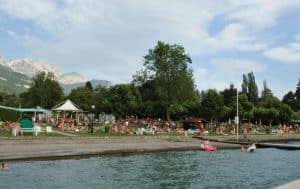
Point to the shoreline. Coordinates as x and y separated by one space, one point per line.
30 148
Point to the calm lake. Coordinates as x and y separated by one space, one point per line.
266 168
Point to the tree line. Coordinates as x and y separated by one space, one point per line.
165 88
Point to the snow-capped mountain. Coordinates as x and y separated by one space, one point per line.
13 82
31 67
71 78
1 60
16 75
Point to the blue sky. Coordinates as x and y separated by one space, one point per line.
108 39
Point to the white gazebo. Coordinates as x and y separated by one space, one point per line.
67 106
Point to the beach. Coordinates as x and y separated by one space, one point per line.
47 148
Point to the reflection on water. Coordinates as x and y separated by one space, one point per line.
265 168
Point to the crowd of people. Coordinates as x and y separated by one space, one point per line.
249 128
135 125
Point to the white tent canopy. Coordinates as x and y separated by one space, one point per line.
68 105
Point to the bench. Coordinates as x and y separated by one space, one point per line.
26 126
28 130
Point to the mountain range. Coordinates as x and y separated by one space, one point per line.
16 75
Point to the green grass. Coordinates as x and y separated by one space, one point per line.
5 133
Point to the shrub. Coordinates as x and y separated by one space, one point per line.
9 115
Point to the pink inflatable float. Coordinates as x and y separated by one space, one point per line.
208 148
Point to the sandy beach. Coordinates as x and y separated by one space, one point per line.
39 148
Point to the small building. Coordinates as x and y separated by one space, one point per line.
193 123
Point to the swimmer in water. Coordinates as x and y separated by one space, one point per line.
5 165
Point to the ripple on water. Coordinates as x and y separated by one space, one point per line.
265 168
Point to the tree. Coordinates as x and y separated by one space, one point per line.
296 115
284 110
269 102
245 107
83 97
229 94
245 85
296 106
297 93
167 66
211 105
9 100
151 105
123 100
249 87
290 99
13 100
101 99
266 91
285 113
252 88
89 86
44 91
265 115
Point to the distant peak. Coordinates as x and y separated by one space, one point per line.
1 60
71 78
31 67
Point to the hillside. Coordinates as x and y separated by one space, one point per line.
68 87
15 76
13 82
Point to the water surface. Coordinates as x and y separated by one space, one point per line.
265 168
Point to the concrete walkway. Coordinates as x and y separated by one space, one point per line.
63 133
66 147
47 147
292 185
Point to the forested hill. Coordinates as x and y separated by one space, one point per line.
13 82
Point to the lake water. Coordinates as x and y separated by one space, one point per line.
265 168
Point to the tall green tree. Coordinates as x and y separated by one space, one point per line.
101 99
245 85
290 99
270 102
249 87
123 100
297 93
9 99
245 107
167 66
211 105
89 86
229 94
83 97
252 88
266 90
44 91
266 115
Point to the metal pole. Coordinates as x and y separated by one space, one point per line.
237 115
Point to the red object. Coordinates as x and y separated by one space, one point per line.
209 148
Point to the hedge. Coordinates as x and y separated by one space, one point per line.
9 115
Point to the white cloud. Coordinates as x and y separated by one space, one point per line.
31 9
238 65
107 39
260 13
235 36
207 80
289 53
